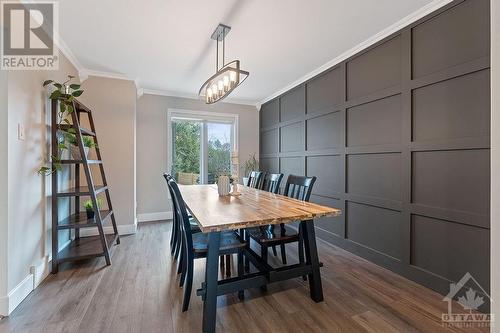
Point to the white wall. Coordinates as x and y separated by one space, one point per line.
495 161
28 203
3 192
152 196
113 105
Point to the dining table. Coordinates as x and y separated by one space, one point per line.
251 208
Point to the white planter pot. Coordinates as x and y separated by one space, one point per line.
75 152
245 181
223 185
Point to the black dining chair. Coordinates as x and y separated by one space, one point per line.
255 179
195 245
297 187
272 182
175 237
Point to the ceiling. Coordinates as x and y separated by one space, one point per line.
165 44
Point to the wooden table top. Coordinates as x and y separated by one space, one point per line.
252 208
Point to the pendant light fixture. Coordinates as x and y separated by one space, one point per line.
227 77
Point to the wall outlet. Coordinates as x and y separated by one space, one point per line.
21 135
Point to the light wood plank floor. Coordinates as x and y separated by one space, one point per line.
140 293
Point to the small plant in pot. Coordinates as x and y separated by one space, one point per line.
88 143
89 208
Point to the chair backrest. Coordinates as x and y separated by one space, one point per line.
182 217
272 182
254 179
168 177
299 187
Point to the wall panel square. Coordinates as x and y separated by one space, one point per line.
269 164
269 141
375 123
292 137
450 249
325 131
293 104
453 109
270 113
455 179
458 35
374 70
291 166
328 170
376 175
325 91
331 224
374 227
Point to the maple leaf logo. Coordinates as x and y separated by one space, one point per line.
470 301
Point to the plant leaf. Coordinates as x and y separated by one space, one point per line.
47 82
62 146
55 95
62 107
74 86
77 93
58 85
71 131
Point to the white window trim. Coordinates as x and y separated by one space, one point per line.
201 116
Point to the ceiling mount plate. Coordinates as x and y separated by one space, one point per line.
220 32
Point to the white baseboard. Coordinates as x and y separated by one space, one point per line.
159 216
123 229
16 296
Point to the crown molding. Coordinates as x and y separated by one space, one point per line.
169 93
413 17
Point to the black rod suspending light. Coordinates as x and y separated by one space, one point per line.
226 78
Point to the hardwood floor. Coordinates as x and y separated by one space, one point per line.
140 293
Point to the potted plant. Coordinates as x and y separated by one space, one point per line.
88 143
89 208
65 93
252 164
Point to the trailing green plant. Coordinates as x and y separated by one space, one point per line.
65 93
88 141
252 164
88 204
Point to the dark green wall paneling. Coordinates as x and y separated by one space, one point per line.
398 136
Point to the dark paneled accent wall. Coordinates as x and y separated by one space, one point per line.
398 136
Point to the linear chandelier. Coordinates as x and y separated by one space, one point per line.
226 78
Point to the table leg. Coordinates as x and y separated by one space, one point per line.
211 277
315 287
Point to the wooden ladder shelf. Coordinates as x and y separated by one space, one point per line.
80 248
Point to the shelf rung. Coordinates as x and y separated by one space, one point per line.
85 248
81 191
80 161
78 221
84 131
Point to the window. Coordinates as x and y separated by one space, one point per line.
200 145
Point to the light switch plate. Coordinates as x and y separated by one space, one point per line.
21 135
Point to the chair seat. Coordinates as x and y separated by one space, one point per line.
228 240
269 234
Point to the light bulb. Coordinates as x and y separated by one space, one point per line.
221 85
232 76
214 89
209 92
226 81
